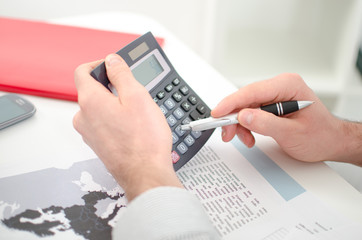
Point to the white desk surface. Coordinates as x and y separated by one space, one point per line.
48 139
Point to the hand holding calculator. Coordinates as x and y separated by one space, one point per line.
178 102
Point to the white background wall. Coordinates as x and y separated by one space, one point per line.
246 40
186 19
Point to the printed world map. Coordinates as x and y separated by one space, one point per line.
82 202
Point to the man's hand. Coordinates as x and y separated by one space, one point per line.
311 134
128 133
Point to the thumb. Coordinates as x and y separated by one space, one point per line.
264 123
120 75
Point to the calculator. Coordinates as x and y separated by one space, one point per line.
178 102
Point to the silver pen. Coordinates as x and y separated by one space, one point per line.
278 109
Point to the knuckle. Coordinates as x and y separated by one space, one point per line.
82 99
76 121
79 69
295 77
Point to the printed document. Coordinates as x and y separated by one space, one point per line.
245 193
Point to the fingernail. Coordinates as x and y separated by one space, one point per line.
223 133
112 59
247 117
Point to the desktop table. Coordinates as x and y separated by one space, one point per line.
48 139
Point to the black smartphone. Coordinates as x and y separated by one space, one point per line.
14 109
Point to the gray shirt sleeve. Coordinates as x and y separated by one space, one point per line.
166 213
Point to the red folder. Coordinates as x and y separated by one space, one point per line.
39 58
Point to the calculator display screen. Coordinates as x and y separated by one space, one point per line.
148 70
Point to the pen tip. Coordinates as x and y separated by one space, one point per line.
303 104
185 127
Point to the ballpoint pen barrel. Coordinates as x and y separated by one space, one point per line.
282 108
278 109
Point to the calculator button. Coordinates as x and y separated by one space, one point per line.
171 120
161 94
184 90
187 120
177 96
175 157
182 148
164 109
178 113
195 115
169 103
196 134
186 106
155 99
169 88
201 108
179 131
176 81
189 140
175 138
192 99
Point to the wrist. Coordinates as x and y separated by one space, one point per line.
350 150
148 178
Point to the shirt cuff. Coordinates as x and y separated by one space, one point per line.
165 213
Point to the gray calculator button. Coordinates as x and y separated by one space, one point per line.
192 99
175 138
189 140
182 148
195 115
171 120
196 134
179 131
176 81
161 94
169 88
164 109
186 120
178 113
177 96
184 90
201 108
169 103
186 106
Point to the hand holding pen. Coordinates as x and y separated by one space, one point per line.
278 109
307 134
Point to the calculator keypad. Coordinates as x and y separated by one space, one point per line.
181 105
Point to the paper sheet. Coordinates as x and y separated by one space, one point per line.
243 191
247 195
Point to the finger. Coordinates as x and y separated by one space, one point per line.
78 122
121 77
228 132
266 123
82 73
283 87
245 136
89 90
